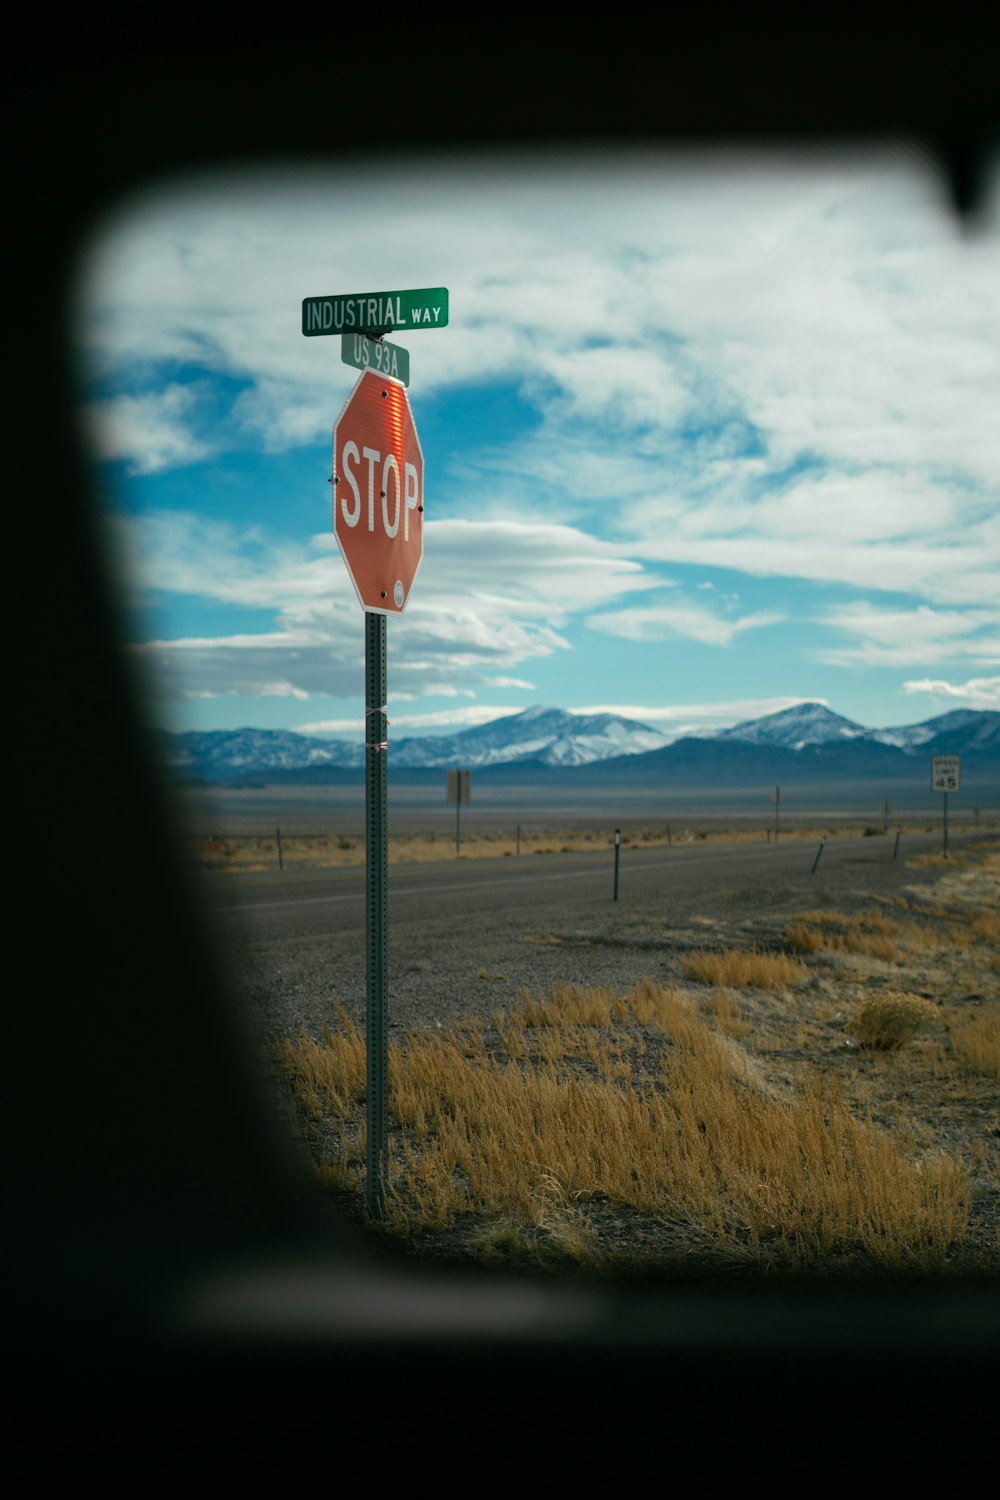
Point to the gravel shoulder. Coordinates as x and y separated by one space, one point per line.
443 975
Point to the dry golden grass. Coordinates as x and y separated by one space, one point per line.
825 918
741 968
745 1119
728 1013
874 944
341 849
976 1040
877 935
984 926
803 939
329 1075
332 851
534 1125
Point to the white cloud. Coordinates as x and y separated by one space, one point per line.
976 692
687 618
680 719
489 596
783 366
904 637
467 717
533 568
830 300
152 431
895 531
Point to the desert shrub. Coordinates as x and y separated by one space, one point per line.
886 1020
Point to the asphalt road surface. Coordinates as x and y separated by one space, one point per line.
304 904
467 937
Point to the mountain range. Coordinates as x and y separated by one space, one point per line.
808 741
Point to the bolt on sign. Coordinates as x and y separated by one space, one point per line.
378 495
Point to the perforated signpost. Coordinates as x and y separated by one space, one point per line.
946 776
378 515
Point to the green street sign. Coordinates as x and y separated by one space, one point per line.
363 353
375 313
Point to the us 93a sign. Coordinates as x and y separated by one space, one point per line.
946 773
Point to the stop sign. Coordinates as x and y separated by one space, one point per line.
378 496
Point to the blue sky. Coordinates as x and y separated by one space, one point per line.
707 434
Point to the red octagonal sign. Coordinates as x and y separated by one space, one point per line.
378 497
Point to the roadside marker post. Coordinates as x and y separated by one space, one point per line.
896 849
819 851
618 845
378 507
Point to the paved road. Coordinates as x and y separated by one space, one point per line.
306 904
470 937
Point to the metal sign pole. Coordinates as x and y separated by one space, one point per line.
382 560
376 871
945 849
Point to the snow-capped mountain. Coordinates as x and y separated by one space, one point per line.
548 735
794 728
959 732
975 730
809 737
222 754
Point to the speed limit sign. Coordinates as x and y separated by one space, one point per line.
946 773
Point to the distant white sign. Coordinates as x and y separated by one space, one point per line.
946 773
